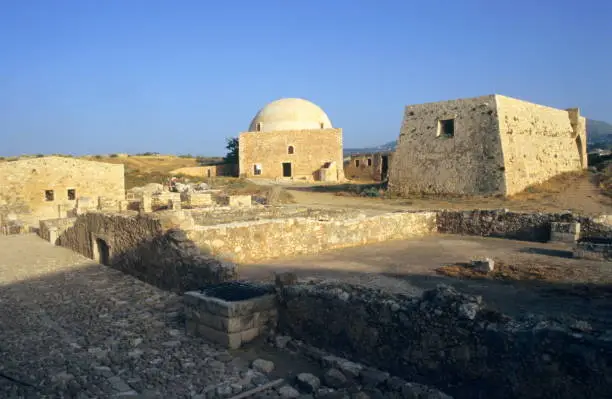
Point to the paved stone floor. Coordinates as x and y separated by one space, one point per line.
73 328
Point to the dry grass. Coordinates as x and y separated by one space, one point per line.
239 186
604 180
147 164
555 185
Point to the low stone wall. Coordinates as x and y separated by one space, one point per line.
52 229
515 225
451 341
148 247
265 239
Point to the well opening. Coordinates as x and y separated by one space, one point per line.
234 291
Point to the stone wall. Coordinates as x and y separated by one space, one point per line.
538 142
515 225
52 229
451 341
148 247
311 150
499 145
208 171
471 162
23 184
264 239
370 166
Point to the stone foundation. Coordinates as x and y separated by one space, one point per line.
594 249
451 341
230 320
265 239
516 225
567 233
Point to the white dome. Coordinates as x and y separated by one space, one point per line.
289 114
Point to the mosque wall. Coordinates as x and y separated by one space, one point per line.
297 154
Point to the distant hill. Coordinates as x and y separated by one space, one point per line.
599 135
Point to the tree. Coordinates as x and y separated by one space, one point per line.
232 150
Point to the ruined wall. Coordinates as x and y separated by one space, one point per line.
451 341
538 142
312 149
58 226
366 171
470 162
264 239
148 248
516 225
208 171
23 184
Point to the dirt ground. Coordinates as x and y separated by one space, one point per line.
579 193
409 266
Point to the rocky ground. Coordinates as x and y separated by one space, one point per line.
70 328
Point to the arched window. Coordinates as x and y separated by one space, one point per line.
258 127
369 161
290 149
322 125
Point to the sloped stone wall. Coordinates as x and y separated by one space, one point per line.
147 248
451 341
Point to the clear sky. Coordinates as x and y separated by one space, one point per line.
94 76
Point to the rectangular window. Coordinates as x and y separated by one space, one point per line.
369 161
446 128
49 195
71 194
257 169
357 163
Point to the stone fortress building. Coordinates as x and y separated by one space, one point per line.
35 189
485 145
292 139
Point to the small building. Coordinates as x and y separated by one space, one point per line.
35 189
485 145
368 166
291 139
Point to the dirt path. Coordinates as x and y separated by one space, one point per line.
577 193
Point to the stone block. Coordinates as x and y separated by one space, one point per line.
197 200
226 322
595 249
239 201
485 265
564 232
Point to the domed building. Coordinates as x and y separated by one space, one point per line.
291 138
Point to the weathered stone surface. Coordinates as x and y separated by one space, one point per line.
334 378
288 392
262 365
307 382
373 378
144 247
516 225
485 265
564 232
294 236
281 341
446 339
524 143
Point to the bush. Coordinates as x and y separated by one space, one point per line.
113 155
370 192
40 155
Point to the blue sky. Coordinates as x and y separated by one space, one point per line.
93 76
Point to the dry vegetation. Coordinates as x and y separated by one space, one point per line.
583 280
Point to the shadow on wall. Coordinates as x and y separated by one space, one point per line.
141 247
452 341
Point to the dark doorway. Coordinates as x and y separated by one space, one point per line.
580 149
103 252
385 167
286 169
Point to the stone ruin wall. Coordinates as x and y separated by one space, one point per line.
208 171
264 239
538 142
149 248
312 149
363 171
451 341
470 163
23 184
516 225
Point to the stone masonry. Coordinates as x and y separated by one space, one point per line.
485 145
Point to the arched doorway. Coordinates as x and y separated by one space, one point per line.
101 251
580 148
